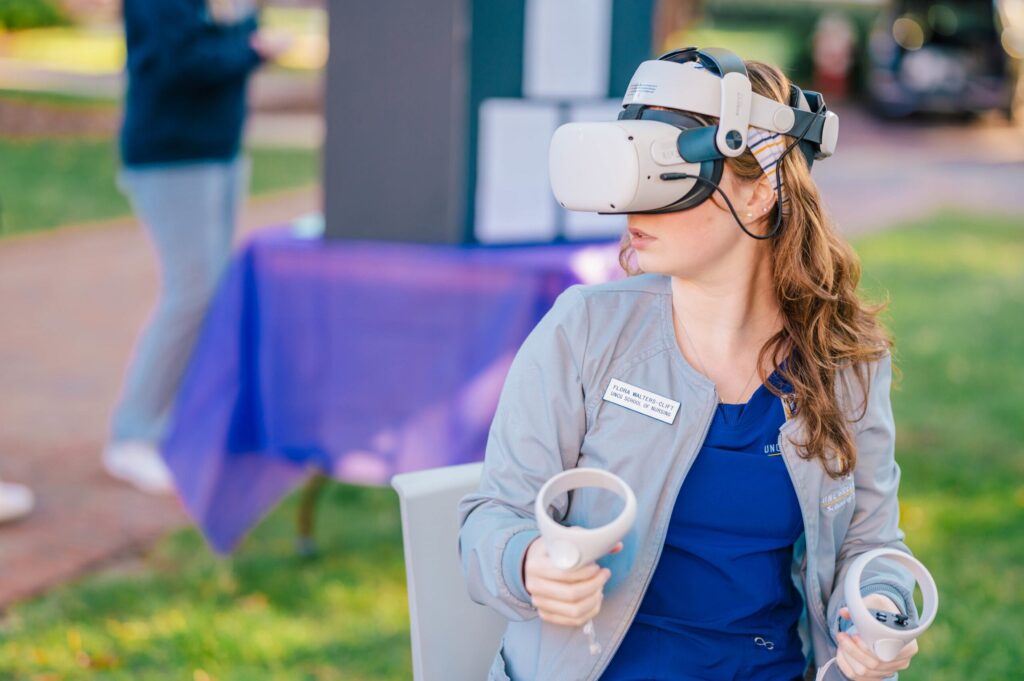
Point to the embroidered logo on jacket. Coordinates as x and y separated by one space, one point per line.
833 501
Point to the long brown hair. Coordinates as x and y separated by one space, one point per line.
826 326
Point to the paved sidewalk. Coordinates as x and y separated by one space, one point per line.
73 302
285 106
884 173
270 89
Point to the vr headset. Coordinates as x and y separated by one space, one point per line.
654 160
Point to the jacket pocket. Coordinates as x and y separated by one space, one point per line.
498 670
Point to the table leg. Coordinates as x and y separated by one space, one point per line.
306 545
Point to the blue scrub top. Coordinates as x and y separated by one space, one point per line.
721 603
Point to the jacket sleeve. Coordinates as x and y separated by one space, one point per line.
536 433
189 48
875 522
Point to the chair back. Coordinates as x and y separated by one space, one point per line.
453 638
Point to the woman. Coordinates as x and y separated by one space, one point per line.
754 501
189 62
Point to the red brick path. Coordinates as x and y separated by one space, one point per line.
72 303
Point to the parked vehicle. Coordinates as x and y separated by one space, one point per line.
954 56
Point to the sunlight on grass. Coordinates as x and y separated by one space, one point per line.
774 46
957 290
92 50
69 100
308 28
99 50
262 614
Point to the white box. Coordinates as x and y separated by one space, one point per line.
513 194
567 49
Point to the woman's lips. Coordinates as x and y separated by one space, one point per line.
639 239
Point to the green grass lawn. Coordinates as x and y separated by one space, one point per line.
100 48
264 614
957 287
49 182
68 99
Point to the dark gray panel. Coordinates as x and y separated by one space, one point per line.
394 164
496 71
632 37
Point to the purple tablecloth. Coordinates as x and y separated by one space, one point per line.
360 360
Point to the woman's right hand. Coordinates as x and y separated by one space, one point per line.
270 44
568 598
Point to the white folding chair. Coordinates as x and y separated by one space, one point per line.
453 638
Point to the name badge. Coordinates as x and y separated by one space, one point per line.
641 401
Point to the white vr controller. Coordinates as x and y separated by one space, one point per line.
572 547
886 639
886 633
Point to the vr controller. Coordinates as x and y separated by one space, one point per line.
886 633
894 620
572 547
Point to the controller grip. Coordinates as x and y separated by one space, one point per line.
888 648
885 648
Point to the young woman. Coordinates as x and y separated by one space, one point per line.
777 471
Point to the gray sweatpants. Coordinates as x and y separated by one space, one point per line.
189 211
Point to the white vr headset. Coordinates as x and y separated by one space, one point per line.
659 160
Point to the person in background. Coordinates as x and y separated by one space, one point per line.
16 501
188 64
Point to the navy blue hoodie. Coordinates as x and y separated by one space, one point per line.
187 78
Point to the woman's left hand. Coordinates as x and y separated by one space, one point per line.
855 658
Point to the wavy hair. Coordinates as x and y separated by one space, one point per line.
825 325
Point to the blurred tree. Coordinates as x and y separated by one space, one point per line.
21 14
672 16
92 11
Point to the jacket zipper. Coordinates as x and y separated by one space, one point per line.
661 540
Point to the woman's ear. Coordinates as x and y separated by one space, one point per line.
761 198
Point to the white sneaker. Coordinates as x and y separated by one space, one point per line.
140 464
16 501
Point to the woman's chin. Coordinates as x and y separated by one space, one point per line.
650 263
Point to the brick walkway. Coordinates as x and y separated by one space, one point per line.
885 173
73 302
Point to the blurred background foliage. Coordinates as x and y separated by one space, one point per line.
777 32
58 148
21 14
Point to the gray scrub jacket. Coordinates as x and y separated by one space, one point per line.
552 416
